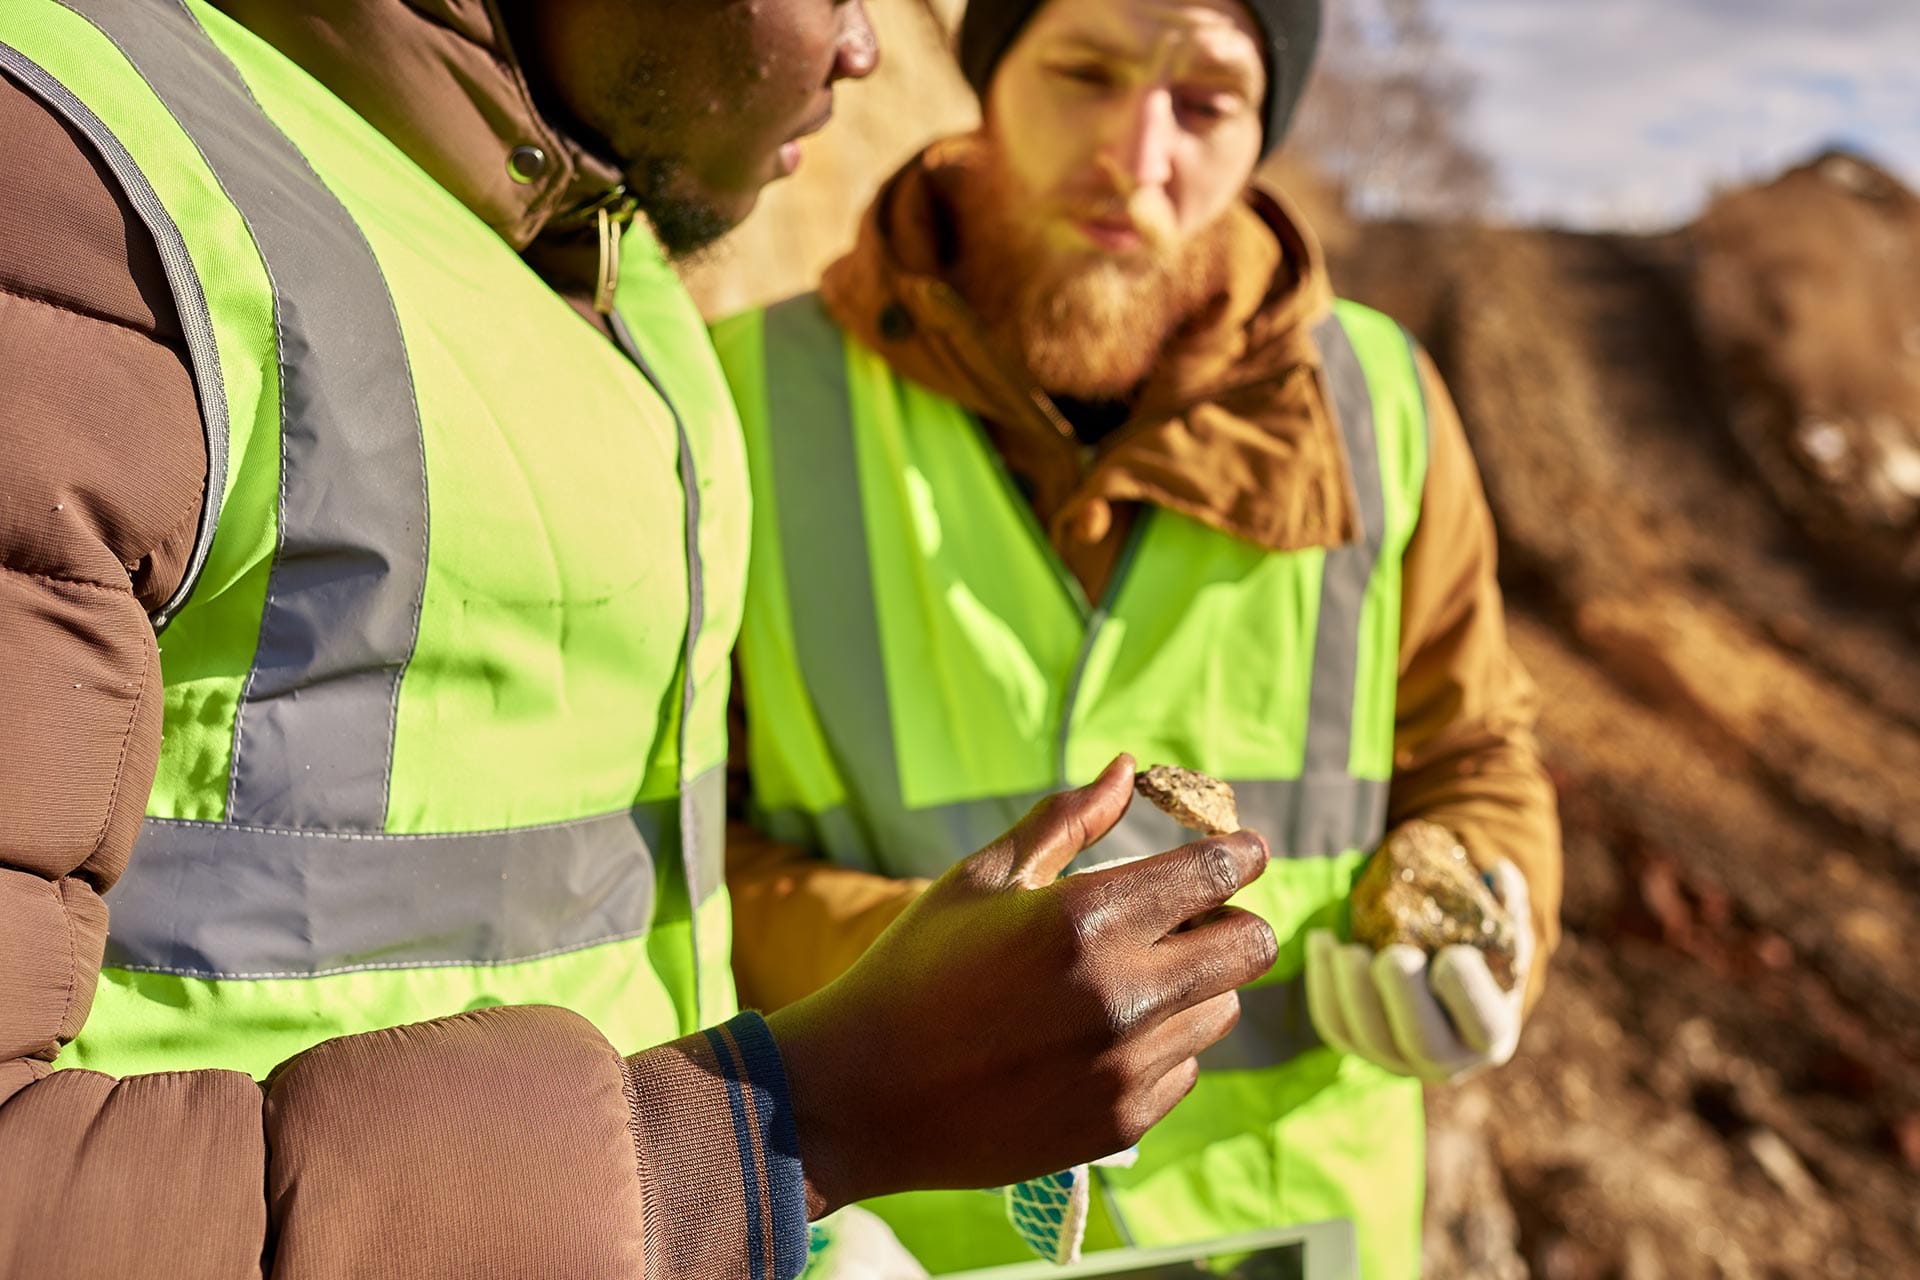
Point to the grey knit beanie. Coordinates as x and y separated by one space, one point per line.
1292 29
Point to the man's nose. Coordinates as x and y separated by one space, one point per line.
1140 151
857 52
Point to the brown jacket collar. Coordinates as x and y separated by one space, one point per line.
440 80
1232 427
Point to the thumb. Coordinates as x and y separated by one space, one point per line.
1040 846
1510 886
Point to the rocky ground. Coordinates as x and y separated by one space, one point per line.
1708 509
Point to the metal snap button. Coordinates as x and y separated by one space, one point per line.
896 323
525 164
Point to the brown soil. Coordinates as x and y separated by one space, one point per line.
1724 1076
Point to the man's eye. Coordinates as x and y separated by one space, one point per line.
1090 74
1208 108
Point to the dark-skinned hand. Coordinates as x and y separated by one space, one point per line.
1012 1023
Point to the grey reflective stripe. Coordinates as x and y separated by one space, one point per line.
819 510
821 517
215 900
1274 1028
925 842
1319 817
702 831
313 740
189 300
1116 579
1301 818
1347 569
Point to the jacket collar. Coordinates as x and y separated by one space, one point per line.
440 79
1232 427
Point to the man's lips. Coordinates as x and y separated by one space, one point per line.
1115 235
789 155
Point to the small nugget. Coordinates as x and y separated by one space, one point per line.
1190 798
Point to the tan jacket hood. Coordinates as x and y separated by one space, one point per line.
441 80
1231 428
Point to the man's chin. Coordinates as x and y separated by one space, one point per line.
687 229
686 221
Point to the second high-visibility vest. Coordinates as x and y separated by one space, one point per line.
919 666
445 690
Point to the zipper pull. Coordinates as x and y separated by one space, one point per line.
612 219
609 262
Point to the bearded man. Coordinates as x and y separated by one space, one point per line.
1076 451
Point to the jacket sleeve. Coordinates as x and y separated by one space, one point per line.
1464 751
800 921
510 1141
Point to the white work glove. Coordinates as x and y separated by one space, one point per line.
1440 1021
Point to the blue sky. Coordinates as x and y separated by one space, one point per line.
1628 112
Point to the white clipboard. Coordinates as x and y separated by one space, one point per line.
1314 1251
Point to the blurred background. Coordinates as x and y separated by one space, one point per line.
1667 254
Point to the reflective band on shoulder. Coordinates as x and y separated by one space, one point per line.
183 281
1343 584
313 739
836 624
216 900
1274 1027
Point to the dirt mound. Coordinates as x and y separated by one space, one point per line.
1724 1076
1808 300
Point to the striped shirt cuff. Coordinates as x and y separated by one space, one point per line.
719 1155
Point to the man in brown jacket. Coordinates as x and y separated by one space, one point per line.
1092 286
513 1141
1464 753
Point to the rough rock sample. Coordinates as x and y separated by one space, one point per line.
1190 798
1420 889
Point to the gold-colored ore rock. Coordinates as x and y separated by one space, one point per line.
1421 889
1190 798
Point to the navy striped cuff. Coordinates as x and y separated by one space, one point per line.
769 1146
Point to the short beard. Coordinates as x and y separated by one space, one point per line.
684 225
1089 326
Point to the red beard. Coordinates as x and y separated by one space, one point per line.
1087 324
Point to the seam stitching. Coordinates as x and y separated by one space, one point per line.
59 581
85 313
384 836
126 738
279 535
73 963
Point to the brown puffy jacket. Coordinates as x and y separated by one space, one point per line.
505 1142
1257 458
